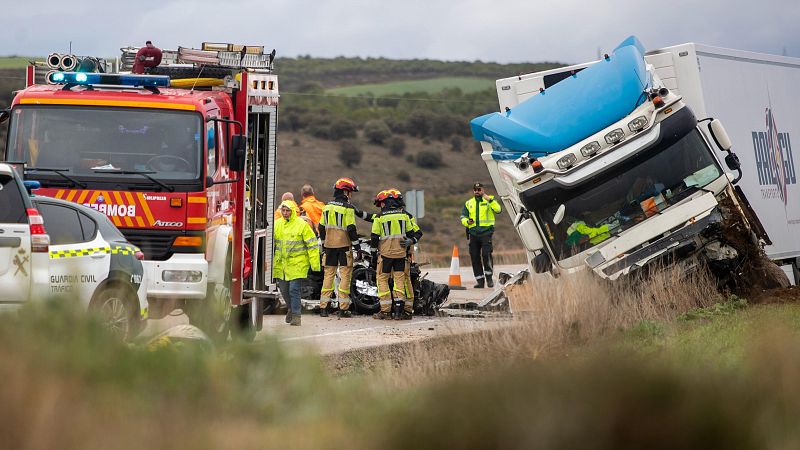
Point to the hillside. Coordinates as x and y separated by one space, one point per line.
306 159
373 103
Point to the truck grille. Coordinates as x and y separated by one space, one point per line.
154 244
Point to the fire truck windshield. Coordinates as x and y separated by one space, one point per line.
97 143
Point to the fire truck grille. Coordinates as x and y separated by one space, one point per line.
154 244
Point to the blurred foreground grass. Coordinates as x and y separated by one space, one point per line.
721 379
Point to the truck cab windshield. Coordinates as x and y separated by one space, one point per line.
108 144
604 206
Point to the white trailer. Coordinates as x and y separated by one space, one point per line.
753 94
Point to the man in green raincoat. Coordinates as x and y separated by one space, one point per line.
296 251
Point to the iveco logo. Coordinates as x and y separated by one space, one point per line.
774 159
159 223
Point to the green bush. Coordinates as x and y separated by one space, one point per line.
430 159
377 132
397 145
456 144
350 153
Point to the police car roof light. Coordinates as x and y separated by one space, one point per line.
110 79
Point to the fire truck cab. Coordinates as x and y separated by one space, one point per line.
182 160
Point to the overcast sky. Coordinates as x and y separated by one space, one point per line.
568 31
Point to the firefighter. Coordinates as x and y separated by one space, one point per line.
296 251
478 218
410 252
337 231
392 235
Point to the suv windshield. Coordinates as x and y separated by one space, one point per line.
95 141
601 208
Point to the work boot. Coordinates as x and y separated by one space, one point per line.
345 313
406 315
382 316
323 312
478 285
289 316
490 282
295 321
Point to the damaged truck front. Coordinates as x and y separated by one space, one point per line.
602 165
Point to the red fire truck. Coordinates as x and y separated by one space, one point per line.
182 160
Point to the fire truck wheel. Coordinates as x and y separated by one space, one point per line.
242 328
212 314
115 304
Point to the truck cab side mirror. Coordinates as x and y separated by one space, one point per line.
732 161
4 115
237 153
720 135
542 263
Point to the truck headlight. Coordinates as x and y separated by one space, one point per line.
182 276
567 161
590 149
615 136
637 124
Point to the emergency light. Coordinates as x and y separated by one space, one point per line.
109 79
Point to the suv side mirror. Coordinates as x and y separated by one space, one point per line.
237 153
720 135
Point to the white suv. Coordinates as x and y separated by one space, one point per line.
24 244
84 257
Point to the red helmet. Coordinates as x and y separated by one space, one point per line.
380 197
346 184
394 193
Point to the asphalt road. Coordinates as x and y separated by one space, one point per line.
333 335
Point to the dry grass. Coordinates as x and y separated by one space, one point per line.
550 317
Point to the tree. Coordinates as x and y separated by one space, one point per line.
350 153
342 129
397 145
429 159
456 144
376 131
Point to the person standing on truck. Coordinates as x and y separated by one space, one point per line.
392 235
337 231
478 218
296 252
147 56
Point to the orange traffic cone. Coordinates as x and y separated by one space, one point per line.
454 280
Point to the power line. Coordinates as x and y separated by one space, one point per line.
413 99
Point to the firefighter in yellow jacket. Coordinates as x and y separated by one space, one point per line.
296 251
392 234
337 230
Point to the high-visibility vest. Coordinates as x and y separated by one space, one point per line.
336 217
482 213
391 226
579 229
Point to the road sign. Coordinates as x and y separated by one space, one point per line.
415 202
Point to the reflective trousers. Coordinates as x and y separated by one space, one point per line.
399 281
480 252
343 295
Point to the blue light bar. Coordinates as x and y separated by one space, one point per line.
109 79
